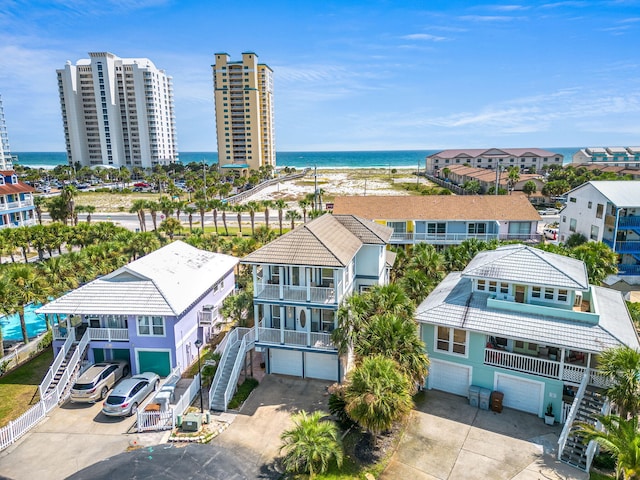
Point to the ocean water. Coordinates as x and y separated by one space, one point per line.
355 159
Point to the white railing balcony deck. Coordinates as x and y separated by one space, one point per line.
104 334
542 367
276 336
27 202
295 293
456 238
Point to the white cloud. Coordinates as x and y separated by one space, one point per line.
423 36
488 18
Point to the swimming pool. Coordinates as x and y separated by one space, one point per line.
11 324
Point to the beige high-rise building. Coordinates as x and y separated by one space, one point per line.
117 111
243 93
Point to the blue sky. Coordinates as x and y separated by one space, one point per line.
351 75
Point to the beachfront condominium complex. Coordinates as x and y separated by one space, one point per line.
532 159
6 161
117 112
243 93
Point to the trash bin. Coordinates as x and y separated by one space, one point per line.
474 395
163 399
496 401
485 397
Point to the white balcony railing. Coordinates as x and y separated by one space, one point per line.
105 334
455 238
295 293
276 336
543 367
27 202
522 363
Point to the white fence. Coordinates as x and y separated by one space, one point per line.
154 421
20 355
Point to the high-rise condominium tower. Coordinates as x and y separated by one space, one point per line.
6 162
117 111
244 113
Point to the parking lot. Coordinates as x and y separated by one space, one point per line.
71 438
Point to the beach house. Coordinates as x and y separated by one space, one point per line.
526 323
609 156
609 212
299 282
16 201
149 312
447 219
523 158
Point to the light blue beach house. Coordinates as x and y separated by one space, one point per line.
526 323
16 201
149 312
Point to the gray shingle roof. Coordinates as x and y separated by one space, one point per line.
453 304
524 264
327 241
165 282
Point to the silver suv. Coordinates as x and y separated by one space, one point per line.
93 384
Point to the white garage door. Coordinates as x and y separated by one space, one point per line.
520 394
285 362
321 365
449 377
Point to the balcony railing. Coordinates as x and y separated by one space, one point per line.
455 238
626 269
326 295
623 247
276 336
100 334
542 367
11 205
629 221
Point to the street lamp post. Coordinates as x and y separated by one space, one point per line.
198 344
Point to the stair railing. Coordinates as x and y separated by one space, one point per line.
74 361
235 373
564 436
231 341
53 369
592 448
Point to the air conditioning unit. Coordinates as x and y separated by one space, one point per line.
192 422
207 317
208 308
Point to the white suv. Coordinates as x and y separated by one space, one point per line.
94 384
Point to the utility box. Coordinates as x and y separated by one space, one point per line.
485 397
496 401
191 422
474 396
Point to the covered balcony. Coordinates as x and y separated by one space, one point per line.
311 293
107 328
544 361
320 340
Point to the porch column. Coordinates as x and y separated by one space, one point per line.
282 322
280 283
561 363
307 275
255 279
256 322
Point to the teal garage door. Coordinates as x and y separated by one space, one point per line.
158 362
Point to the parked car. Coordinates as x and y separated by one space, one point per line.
549 211
97 380
129 393
550 233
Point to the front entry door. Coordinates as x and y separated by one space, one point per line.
519 296
302 321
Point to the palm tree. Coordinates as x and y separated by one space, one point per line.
142 244
179 205
620 438
311 444
215 205
68 195
26 287
622 365
293 215
153 210
88 209
417 285
280 204
39 202
252 207
529 188
202 205
267 204
377 394
513 177
397 338
190 210
170 226
138 207
239 209
304 205
425 257
599 259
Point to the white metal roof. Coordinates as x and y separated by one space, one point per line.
165 282
453 304
528 265
621 193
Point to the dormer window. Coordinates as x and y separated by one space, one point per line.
14 179
1 180
563 295
504 287
493 286
535 292
482 285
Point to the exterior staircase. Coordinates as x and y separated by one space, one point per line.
225 382
575 451
59 374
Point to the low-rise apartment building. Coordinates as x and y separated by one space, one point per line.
524 158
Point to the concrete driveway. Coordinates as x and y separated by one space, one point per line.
71 438
267 413
449 439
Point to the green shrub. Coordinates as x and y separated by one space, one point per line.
243 392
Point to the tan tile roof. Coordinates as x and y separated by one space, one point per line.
328 241
494 152
438 207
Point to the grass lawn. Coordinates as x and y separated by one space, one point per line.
600 476
19 388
